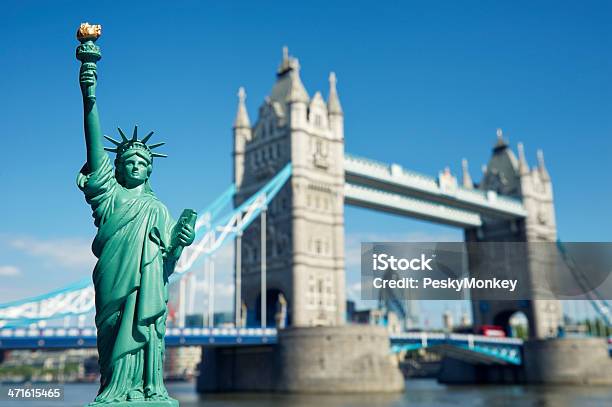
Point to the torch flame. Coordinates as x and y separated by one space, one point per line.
88 32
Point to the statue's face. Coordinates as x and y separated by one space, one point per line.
135 170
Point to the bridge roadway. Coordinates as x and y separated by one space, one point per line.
468 347
391 188
476 348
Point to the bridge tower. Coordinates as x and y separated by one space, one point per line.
304 254
507 175
305 222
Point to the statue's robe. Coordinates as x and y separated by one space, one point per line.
131 285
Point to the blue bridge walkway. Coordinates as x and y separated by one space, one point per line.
480 349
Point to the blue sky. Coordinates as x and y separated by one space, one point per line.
423 84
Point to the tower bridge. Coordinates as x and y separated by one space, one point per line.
291 182
306 226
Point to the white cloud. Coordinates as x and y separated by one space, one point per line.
9 271
222 289
65 252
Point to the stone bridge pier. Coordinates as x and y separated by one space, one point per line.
339 359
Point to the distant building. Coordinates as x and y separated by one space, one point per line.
181 362
378 317
447 321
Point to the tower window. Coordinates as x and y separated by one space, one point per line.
318 246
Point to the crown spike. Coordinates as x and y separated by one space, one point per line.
133 143
152 146
123 137
115 142
147 137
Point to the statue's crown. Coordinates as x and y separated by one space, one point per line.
123 146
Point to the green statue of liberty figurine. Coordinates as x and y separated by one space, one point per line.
137 246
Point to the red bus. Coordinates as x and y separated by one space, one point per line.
491 330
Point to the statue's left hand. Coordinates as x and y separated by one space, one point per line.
186 235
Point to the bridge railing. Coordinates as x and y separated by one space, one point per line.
74 332
403 336
79 338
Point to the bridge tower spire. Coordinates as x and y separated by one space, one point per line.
501 142
523 165
545 177
466 178
289 91
242 134
334 108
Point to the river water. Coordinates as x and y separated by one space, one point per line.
419 392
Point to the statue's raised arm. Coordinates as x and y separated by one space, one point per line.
89 53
